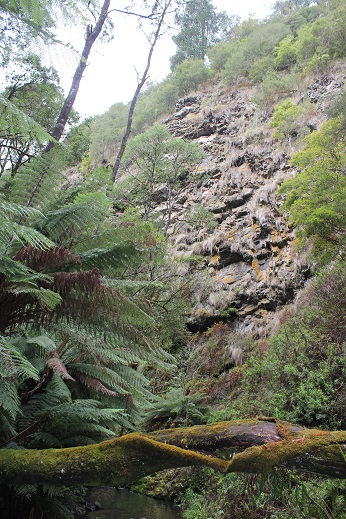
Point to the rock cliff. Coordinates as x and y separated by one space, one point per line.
250 263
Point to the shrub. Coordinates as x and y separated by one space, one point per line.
189 75
300 377
286 120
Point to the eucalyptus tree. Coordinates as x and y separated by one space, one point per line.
200 27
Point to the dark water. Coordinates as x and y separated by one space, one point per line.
121 504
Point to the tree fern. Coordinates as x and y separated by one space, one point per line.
85 333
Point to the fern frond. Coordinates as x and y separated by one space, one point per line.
14 356
8 429
56 364
54 490
10 211
51 259
14 235
9 400
24 234
91 373
69 223
47 439
42 405
21 297
25 490
96 385
38 183
15 122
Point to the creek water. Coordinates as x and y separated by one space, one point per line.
122 504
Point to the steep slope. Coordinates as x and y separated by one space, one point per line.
251 264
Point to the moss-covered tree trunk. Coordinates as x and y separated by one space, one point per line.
256 445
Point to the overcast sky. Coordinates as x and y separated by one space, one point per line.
111 73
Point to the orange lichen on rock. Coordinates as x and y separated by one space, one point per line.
256 267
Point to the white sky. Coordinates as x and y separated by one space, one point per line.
111 73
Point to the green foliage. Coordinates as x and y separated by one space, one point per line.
300 377
315 42
77 338
286 120
176 407
189 75
106 132
157 161
200 27
30 105
34 183
279 495
260 43
261 69
77 142
16 121
219 54
316 196
285 53
273 88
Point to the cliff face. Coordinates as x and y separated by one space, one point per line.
251 264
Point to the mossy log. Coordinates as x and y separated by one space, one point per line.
257 445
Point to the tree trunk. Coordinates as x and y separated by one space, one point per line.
138 90
91 36
257 446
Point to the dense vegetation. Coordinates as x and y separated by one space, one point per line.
92 308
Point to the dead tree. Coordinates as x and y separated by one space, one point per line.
252 446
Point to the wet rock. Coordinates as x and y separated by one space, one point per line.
250 257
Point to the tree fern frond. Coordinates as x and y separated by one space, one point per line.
56 364
8 429
88 282
51 259
14 235
43 404
69 223
9 400
24 234
43 345
25 490
89 372
111 259
88 301
14 272
14 356
38 183
96 385
48 299
23 302
17 122
10 211
54 490
47 439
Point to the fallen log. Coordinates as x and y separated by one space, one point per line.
254 446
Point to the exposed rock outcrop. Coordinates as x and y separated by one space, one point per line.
251 265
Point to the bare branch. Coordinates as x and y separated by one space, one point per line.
138 90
